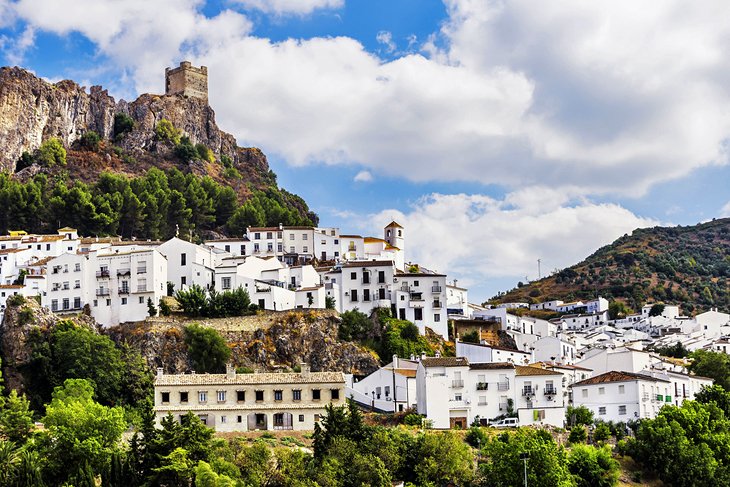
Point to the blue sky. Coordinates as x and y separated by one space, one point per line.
496 132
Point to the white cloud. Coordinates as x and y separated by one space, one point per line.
586 98
482 239
296 7
363 177
14 49
725 210
386 39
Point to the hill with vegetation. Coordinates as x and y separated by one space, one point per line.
149 168
688 266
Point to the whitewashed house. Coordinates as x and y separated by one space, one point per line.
623 396
539 396
189 263
391 388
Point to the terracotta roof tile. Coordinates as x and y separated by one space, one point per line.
244 379
445 362
616 376
492 365
527 370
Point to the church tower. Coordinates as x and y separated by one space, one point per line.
394 234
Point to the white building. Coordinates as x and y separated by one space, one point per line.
485 353
553 349
457 301
539 398
189 263
623 396
391 388
247 402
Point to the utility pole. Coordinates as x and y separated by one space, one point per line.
539 273
523 457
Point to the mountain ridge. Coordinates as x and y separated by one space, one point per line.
685 265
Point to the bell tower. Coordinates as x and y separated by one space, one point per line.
394 234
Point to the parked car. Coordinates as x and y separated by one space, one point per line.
507 423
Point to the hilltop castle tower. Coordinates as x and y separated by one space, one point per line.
187 80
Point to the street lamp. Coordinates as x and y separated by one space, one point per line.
524 456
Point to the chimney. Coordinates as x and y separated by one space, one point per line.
160 372
423 355
304 369
438 354
395 361
230 371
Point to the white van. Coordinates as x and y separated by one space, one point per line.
507 423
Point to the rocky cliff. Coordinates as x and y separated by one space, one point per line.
15 331
33 110
278 341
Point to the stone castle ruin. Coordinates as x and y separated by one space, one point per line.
187 80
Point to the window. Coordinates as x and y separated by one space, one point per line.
203 396
108 302
96 303
165 397
584 392
141 300
221 396
457 397
301 418
415 283
622 410
366 295
278 395
269 235
240 396
77 303
304 236
602 410
223 419
259 396
292 250
184 396
335 394
316 418
66 303
257 236
418 314
305 249
601 391
296 395
381 277
436 317
337 254
353 295
239 419
353 276
337 241
183 281
183 259
316 393
226 283
255 247
280 247
243 250
77 284
270 247
621 389
124 300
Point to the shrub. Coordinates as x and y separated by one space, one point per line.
90 140
602 432
15 300
123 124
579 415
204 153
593 467
354 325
231 173
25 316
329 302
185 150
476 437
578 434
207 349
413 419
165 130
51 153
164 308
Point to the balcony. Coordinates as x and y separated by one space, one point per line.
405 288
351 248
528 391
482 403
124 290
550 391
263 289
437 305
503 406
123 272
482 386
435 289
103 291
645 396
502 386
102 273
457 384
416 297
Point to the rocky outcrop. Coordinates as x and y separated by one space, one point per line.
288 340
33 110
19 322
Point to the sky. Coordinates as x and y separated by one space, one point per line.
496 132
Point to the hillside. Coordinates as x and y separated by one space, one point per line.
689 266
60 133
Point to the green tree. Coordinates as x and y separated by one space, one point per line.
329 302
207 349
192 300
656 310
578 415
205 476
546 461
602 432
716 395
80 431
593 467
90 140
51 153
354 325
618 309
578 434
151 309
715 365
16 419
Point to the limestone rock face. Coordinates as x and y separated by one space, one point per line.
33 110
